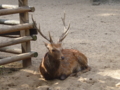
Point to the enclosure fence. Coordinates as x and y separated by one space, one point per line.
20 32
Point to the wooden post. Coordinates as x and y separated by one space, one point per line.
24 18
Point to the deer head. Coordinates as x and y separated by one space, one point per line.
55 49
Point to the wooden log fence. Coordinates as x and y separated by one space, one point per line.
5 6
17 57
19 27
11 50
9 22
16 10
24 30
10 36
18 40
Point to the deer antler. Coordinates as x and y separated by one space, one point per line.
50 40
62 37
39 30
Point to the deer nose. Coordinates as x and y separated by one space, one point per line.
62 57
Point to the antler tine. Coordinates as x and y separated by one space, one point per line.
50 38
34 23
63 20
67 29
39 30
62 37
64 34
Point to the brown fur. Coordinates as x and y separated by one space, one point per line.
59 63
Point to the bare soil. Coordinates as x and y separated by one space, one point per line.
95 31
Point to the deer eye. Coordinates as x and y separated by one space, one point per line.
53 50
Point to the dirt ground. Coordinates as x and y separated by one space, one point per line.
95 31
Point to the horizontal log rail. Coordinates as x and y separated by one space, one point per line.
18 40
18 57
9 22
16 10
33 31
10 36
11 50
5 6
19 27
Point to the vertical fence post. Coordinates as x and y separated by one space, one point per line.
24 18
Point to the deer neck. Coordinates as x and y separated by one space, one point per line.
53 64
53 61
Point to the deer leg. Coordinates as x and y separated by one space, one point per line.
83 70
74 74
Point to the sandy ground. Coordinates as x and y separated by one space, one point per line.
95 31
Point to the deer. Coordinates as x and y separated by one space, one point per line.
59 63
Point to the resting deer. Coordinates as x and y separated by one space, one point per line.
59 63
